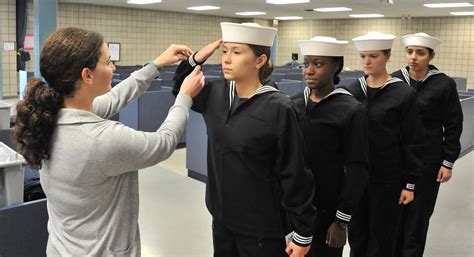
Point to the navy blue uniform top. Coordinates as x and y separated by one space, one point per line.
335 133
395 131
258 184
441 115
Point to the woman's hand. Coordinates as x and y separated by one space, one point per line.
207 51
406 197
294 250
444 174
193 83
173 54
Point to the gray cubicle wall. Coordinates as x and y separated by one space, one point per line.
196 147
461 83
23 230
148 112
290 87
467 136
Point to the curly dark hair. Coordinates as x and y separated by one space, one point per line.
64 55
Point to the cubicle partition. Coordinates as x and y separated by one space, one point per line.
23 230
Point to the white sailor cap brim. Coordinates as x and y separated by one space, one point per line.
248 33
322 46
421 39
374 41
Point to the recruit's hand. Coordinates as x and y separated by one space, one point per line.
207 51
296 251
193 83
444 174
406 197
336 236
173 54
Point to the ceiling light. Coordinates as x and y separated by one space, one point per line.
333 9
462 13
287 1
288 18
370 15
143 1
250 13
204 8
448 5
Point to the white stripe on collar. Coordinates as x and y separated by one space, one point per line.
430 73
364 85
406 75
390 81
260 90
307 92
231 93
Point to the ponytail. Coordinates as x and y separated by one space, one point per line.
65 54
36 122
265 72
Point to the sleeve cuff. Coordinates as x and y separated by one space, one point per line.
343 217
193 61
448 165
410 187
302 240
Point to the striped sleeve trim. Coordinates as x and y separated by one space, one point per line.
191 60
410 186
447 164
343 216
301 240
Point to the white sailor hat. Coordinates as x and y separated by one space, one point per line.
248 33
374 41
421 39
322 46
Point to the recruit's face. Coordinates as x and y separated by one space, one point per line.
418 57
318 71
374 62
238 61
103 72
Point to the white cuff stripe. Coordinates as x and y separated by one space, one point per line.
343 216
191 60
448 164
302 239
410 186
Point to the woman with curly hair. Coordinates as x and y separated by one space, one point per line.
88 164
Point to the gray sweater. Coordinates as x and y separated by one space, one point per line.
91 179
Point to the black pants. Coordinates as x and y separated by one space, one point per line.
416 216
319 248
228 243
374 227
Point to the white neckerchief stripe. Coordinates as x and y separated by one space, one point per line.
264 89
406 75
307 92
231 93
260 90
390 81
431 73
363 85
338 91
